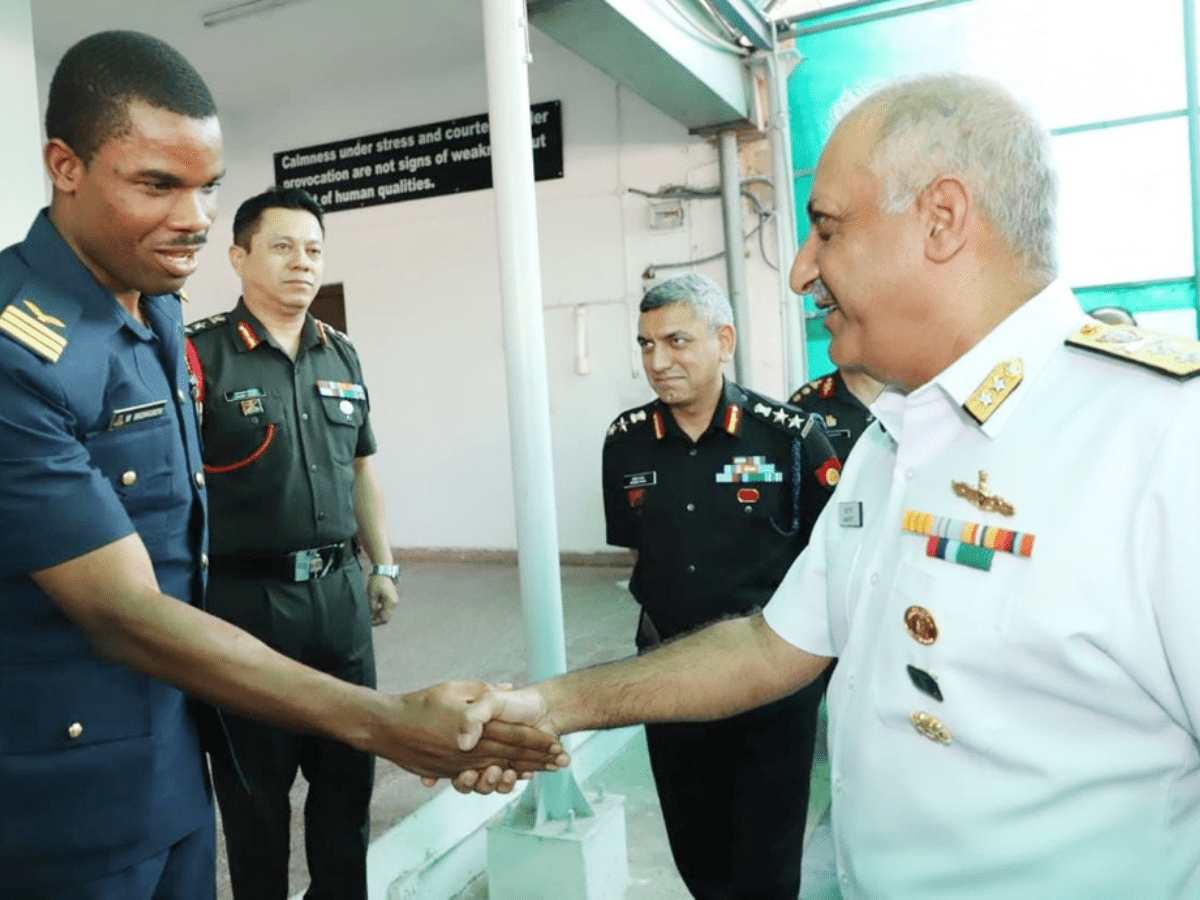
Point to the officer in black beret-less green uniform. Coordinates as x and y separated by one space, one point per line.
287 447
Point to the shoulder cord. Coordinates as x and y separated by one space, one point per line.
797 459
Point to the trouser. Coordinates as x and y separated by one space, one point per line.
324 623
184 871
734 797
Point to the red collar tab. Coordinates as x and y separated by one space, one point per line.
660 427
733 418
249 339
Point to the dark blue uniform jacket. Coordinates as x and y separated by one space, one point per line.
100 767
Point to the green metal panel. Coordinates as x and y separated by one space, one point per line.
1179 293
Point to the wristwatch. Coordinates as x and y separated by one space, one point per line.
392 572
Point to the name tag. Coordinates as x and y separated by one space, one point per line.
343 389
131 415
640 479
247 394
850 514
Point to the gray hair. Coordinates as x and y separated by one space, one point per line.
969 127
699 292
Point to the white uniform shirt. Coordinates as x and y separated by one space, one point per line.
1070 679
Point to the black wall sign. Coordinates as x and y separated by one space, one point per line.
426 161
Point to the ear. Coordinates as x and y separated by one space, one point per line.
945 207
727 339
237 256
64 167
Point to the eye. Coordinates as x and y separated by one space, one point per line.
679 342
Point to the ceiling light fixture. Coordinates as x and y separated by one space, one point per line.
241 10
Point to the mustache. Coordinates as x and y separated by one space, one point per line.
821 294
188 242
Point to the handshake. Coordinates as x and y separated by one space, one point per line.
485 737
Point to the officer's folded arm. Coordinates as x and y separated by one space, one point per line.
112 595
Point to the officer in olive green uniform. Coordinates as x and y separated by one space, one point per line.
287 436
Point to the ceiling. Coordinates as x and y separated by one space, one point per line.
318 45
321 43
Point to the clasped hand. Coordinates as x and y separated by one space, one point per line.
483 736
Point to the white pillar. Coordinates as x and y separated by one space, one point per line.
795 339
735 253
21 135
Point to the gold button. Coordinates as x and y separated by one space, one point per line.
930 727
129 478
74 730
198 477
919 622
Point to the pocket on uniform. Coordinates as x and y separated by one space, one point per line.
138 460
348 415
76 756
960 617
238 431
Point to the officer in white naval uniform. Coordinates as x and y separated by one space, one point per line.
1006 571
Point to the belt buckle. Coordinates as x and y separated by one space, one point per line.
307 563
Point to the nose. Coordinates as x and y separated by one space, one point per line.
804 266
195 211
657 358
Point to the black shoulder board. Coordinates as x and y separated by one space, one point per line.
204 324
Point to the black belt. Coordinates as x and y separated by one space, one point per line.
299 565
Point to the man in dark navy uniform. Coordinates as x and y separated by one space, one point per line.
102 494
717 489
292 491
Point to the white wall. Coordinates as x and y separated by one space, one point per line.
24 190
423 304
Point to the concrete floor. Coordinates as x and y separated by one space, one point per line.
463 620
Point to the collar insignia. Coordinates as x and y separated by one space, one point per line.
995 389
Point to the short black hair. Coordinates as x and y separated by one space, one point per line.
249 214
100 76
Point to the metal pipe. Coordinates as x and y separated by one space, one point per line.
795 339
1193 114
506 52
1118 123
735 252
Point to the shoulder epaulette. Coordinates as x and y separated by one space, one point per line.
633 421
782 416
1174 356
799 425
33 325
823 387
327 331
204 324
